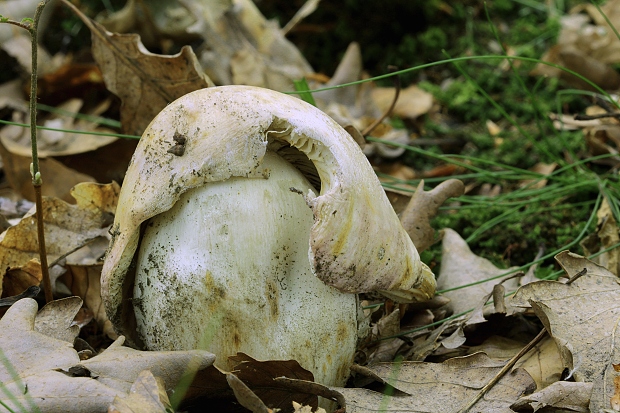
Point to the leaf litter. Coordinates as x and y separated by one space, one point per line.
40 351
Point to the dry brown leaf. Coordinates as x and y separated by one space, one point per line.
16 139
246 397
56 320
259 375
67 227
242 47
145 82
18 279
83 281
543 362
586 48
387 326
582 318
440 387
212 385
423 207
47 373
58 179
155 22
606 236
460 266
412 101
147 395
562 395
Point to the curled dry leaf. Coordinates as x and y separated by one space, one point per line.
582 318
145 82
67 227
45 372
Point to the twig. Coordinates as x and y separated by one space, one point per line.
504 370
32 26
598 116
576 276
387 113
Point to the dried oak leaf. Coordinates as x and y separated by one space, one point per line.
67 227
45 373
145 82
440 387
582 318
423 207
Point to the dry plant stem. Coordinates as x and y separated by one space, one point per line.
47 284
504 370
34 167
36 174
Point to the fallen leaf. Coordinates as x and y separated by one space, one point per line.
423 207
242 47
440 387
145 82
67 227
245 396
58 179
259 375
412 101
387 326
147 395
56 320
605 237
543 362
16 139
562 395
582 319
39 371
460 266
18 279
83 281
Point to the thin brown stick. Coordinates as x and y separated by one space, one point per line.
503 371
598 116
47 284
36 174
387 113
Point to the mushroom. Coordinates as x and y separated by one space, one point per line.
247 222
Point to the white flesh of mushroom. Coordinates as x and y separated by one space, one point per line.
227 269
346 237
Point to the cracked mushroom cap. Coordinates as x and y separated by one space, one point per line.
356 244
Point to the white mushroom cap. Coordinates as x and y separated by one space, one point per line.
356 244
